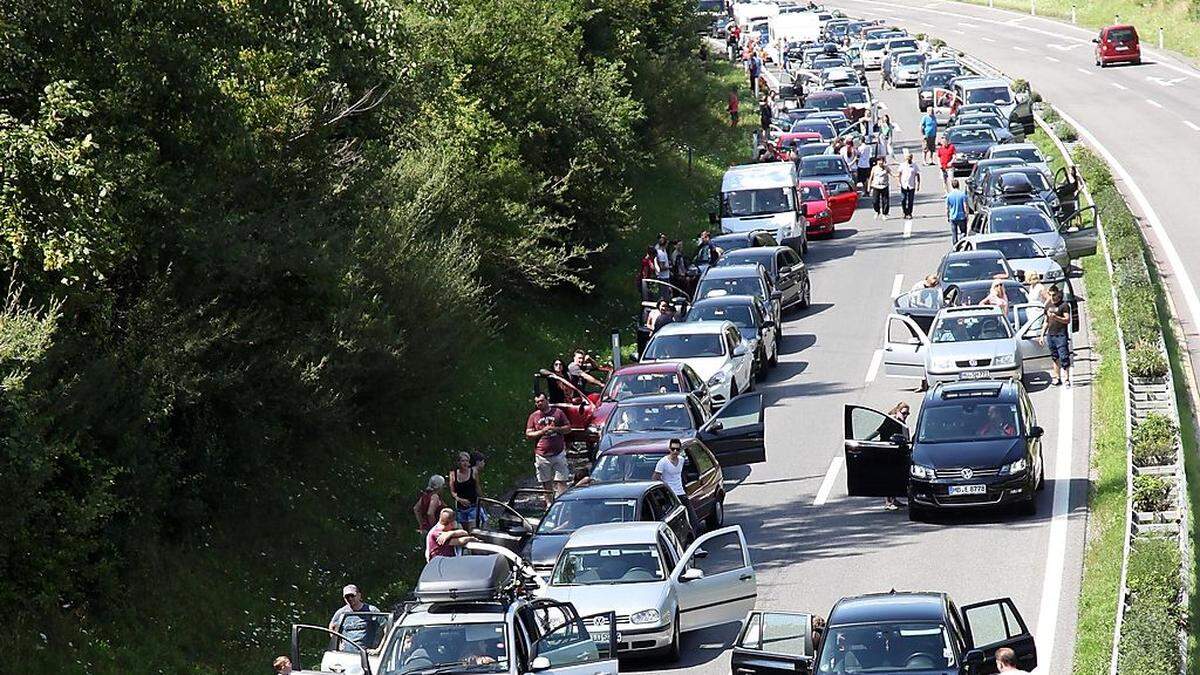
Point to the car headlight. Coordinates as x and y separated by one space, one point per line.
942 364
1059 249
645 616
1016 467
718 378
918 471
1004 360
825 214
959 155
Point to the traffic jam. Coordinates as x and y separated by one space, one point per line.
620 545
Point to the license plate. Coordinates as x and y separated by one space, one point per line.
1122 48
956 490
974 374
603 636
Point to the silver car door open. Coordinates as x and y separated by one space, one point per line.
904 348
714 582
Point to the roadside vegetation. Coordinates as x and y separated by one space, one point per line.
1180 18
269 269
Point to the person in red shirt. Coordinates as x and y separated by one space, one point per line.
648 270
446 536
733 106
547 425
945 153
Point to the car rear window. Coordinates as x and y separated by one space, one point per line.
830 101
1122 35
822 166
938 78
999 95
959 136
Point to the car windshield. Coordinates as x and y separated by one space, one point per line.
938 78
631 418
1013 249
909 59
969 329
472 647
831 101
623 385
629 564
566 516
1023 221
886 648
626 467
829 165
1015 292
1025 154
756 202
821 127
998 95
735 286
811 193
740 315
855 95
972 269
961 136
958 422
874 46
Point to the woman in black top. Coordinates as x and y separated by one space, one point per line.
466 489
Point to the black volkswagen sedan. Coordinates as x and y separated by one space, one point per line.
971 143
977 443
784 267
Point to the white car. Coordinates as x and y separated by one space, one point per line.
1024 255
873 52
1026 152
965 343
657 589
714 349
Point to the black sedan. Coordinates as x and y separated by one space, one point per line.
979 174
971 143
996 122
1040 185
938 79
784 267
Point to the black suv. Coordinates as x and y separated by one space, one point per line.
976 444
886 632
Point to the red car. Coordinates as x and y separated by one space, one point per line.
1117 44
641 379
816 202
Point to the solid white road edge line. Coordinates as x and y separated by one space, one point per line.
986 39
897 284
873 369
830 478
1085 71
1154 103
1056 550
1051 59
1182 278
1191 125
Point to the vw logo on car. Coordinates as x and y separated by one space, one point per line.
968 473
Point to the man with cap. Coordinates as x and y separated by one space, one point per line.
359 629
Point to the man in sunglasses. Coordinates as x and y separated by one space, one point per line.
361 630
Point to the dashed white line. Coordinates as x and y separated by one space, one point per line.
957 31
1057 548
1019 48
1154 103
1085 71
897 284
1051 59
873 369
968 24
830 478
1192 125
926 24
986 39
1119 86
907 229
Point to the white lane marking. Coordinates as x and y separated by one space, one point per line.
1191 125
873 369
1019 48
1119 86
968 24
907 229
956 31
830 478
1180 272
986 39
1065 48
897 284
1085 71
1154 103
1165 83
1056 550
1051 59
926 24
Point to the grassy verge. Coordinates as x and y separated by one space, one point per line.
1106 497
1180 18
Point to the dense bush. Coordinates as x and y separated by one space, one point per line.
1050 115
1151 493
1154 440
1146 360
1065 132
1149 633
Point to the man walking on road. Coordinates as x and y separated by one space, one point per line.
1006 662
945 155
929 132
956 211
669 470
910 182
1058 336
546 425
880 198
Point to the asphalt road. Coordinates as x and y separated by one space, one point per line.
1144 118
813 544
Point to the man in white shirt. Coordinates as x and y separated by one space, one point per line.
1006 662
669 470
910 182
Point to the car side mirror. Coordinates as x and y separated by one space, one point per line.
769 323
1020 275
913 341
692 574
716 426
974 659
786 269
740 350
1096 40
899 440
1036 432
539 663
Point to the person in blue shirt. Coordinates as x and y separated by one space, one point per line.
956 211
929 131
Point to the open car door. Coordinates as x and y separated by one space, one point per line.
654 290
735 434
714 581
500 524
1020 121
1079 231
904 347
1066 188
1031 328
842 201
877 464
568 644
349 657
994 624
774 643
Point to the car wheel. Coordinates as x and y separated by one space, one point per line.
672 652
806 299
916 514
775 355
1028 507
1137 61
1041 484
717 518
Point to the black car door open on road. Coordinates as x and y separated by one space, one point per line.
772 643
992 625
877 454
735 433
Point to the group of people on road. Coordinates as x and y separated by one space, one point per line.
663 261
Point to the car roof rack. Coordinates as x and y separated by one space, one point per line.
975 389
467 578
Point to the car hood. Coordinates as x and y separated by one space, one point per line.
543 549
706 366
1050 241
1043 266
981 146
624 599
976 349
771 222
987 454
816 206
613 437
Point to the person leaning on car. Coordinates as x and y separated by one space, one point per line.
546 425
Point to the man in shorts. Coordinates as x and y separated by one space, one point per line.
929 133
547 425
1058 336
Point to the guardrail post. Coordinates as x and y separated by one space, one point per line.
1160 37
1073 19
1116 18
1033 7
616 349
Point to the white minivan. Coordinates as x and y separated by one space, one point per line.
763 197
